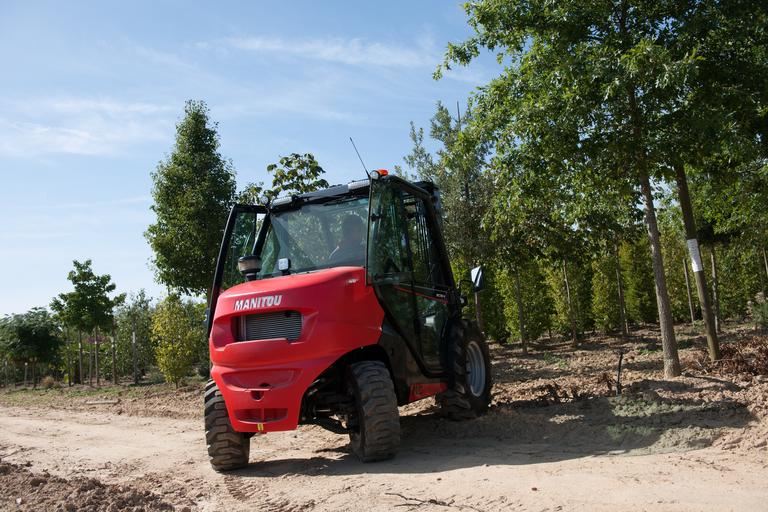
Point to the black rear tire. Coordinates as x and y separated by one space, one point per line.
378 434
471 395
227 448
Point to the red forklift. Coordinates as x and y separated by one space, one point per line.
333 308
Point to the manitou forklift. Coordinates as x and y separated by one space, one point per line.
333 308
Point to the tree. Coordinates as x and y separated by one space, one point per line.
464 190
137 312
32 337
595 86
89 306
193 191
177 329
294 174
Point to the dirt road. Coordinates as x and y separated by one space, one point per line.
690 444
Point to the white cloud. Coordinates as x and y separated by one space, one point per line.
76 126
353 52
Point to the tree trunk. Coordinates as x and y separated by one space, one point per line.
762 281
520 311
80 350
96 340
622 305
90 364
668 343
698 267
135 366
114 357
715 293
690 296
69 359
570 304
765 259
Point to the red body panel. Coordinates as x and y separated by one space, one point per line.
419 391
263 381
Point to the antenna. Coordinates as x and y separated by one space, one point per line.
361 158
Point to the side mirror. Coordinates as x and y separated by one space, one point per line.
478 281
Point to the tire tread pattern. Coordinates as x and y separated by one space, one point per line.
379 418
227 448
459 403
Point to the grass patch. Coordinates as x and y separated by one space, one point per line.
561 363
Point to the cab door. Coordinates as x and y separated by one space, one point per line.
239 240
388 265
403 264
431 279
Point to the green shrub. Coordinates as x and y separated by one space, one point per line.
535 296
640 289
605 292
178 332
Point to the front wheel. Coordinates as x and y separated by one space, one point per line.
471 393
227 448
377 435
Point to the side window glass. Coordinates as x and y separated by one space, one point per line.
241 244
427 266
388 260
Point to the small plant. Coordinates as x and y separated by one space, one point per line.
683 344
47 383
561 363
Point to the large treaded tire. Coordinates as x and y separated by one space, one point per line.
378 435
471 395
227 448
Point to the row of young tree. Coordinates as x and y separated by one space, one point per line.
601 110
90 337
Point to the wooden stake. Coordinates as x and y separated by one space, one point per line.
622 305
688 286
520 311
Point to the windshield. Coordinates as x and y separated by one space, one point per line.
316 236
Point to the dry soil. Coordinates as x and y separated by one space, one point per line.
557 437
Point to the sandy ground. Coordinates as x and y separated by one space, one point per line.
555 439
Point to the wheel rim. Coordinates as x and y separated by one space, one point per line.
475 368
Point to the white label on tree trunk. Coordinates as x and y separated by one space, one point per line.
693 248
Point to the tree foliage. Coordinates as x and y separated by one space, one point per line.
138 308
178 332
293 174
604 95
193 191
32 337
89 305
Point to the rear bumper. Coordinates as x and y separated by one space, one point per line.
267 399
263 381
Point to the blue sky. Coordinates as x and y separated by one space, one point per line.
91 93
